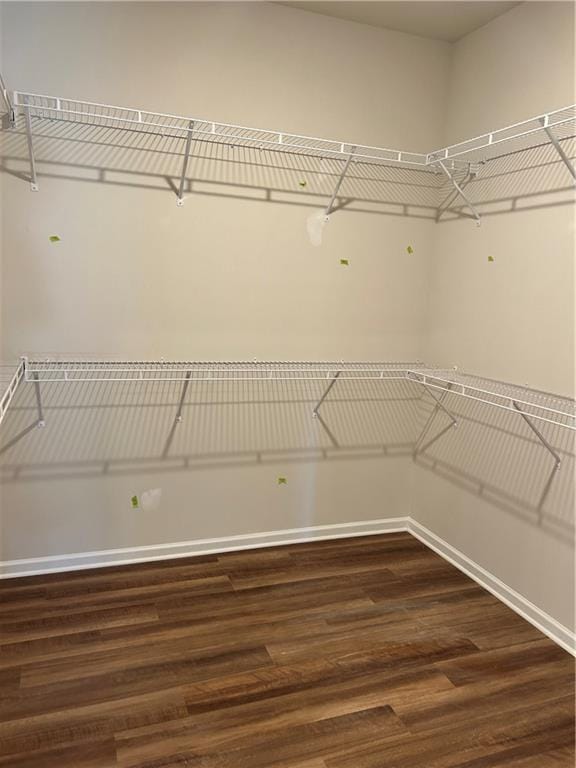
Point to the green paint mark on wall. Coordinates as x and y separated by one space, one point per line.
54 239
345 262
282 481
409 249
134 502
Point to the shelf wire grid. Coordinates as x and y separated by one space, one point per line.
528 134
167 125
543 406
517 137
160 370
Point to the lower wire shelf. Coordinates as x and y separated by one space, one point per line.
534 404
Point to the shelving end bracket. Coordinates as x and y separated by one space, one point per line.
558 147
461 192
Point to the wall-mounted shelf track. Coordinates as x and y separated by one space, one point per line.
36 112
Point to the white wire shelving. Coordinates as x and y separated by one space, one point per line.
540 411
10 377
541 406
551 128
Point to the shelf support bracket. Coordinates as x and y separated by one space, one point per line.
461 192
315 411
41 422
546 444
33 177
449 199
439 405
178 417
538 434
330 206
558 147
180 200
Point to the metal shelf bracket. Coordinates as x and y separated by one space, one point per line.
316 409
546 444
33 177
439 406
330 206
180 198
558 147
460 192
41 421
539 435
178 417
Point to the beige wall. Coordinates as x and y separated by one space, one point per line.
223 277
511 319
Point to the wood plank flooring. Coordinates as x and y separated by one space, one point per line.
357 653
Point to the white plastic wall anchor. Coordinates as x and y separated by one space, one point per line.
179 202
41 424
34 187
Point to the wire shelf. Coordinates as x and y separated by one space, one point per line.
160 370
528 134
520 136
174 126
543 406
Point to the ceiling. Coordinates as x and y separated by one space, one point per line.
438 20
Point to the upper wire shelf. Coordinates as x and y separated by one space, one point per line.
522 135
519 136
175 126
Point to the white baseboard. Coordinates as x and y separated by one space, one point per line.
78 561
83 560
541 620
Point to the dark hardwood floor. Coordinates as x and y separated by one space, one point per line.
357 653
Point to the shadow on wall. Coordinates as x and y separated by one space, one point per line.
121 428
108 429
524 179
493 454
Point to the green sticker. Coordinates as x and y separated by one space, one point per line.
490 258
409 249
302 183
134 502
345 262
54 239
282 481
